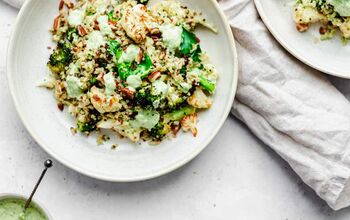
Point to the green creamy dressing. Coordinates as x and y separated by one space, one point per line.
12 209
146 119
110 84
131 54
73 87
171 36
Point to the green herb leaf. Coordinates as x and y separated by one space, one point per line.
196 54
111 16
188 41
124 70
143 68
113 48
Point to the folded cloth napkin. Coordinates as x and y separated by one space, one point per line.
290 107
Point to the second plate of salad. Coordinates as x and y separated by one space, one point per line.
314 31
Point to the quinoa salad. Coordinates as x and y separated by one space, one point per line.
333 15
136 69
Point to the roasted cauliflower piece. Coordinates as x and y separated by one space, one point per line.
199 99
306 15
102 103
123 128
189 123
136 22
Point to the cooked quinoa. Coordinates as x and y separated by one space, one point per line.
332 14
137 70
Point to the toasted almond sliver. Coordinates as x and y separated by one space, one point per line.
154 76
60 7
56 23
302 27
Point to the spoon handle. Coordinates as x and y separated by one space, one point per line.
35 188
48 164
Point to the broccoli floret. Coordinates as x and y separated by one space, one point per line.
145 99
178 114
72 34
158 131
85 127
90 123
101 62
60 58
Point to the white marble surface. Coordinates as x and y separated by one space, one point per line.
236 177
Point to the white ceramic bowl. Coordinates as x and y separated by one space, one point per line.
17 196
328 56
27 57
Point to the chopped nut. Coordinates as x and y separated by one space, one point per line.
127 93
302 27
81 31
60 6
154 76
73 130
60 106
322 30
96 27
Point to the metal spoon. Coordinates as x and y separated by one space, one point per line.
48 164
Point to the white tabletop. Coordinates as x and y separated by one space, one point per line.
236 177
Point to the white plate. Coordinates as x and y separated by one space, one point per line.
27 57
327 56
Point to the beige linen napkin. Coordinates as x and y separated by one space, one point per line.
290 107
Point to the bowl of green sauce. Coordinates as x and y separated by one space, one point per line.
12 208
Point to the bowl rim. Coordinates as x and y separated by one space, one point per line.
19 196
143 177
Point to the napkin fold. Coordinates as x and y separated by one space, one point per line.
290 107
